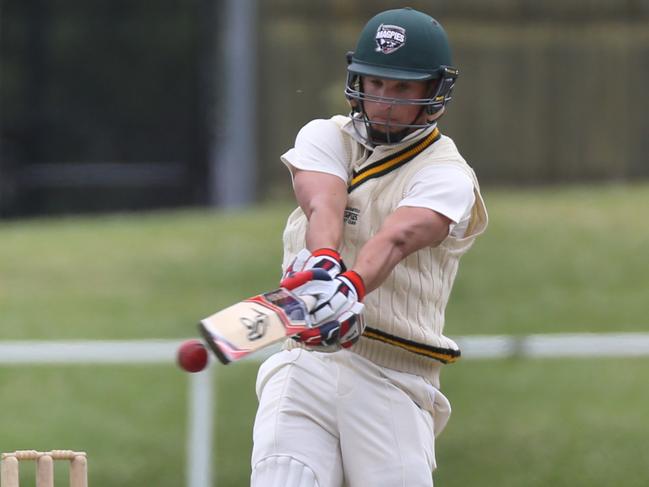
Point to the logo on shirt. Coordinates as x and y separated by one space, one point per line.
389 38
351 215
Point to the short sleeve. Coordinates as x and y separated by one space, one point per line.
444 188
320 147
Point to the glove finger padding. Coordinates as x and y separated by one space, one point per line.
299 279
327 259
298 263
336 314
324 258
336 298
321 336
351 330
334 335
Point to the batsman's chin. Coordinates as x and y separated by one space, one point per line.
380 125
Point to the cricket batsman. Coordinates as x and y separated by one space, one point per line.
387 206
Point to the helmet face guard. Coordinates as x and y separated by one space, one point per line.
405 45
440 93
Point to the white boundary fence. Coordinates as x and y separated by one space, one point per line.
201 408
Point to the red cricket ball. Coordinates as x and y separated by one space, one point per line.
192 356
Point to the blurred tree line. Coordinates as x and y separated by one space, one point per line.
115 104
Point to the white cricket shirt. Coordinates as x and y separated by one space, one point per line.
446 189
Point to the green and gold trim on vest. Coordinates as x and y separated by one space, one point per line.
444 355
393 161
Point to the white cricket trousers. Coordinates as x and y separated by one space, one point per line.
339 420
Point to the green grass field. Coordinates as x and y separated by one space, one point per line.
553 260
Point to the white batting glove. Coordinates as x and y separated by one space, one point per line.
336 313
324 258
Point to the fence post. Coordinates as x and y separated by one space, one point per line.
201 410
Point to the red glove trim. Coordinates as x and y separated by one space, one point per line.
334 254
357 281
296 280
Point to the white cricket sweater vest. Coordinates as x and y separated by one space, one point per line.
405 315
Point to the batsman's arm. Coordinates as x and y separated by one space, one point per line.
323 198
405 231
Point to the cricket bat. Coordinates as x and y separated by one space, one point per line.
261 320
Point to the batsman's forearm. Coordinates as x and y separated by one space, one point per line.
325 229
376 260
322 197
404 232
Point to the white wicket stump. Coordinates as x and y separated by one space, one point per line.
10 470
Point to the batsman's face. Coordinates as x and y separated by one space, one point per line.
387 114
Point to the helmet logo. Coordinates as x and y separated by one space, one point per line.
389 38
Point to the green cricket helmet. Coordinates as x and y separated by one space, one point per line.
401 44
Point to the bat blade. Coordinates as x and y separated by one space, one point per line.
255 323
